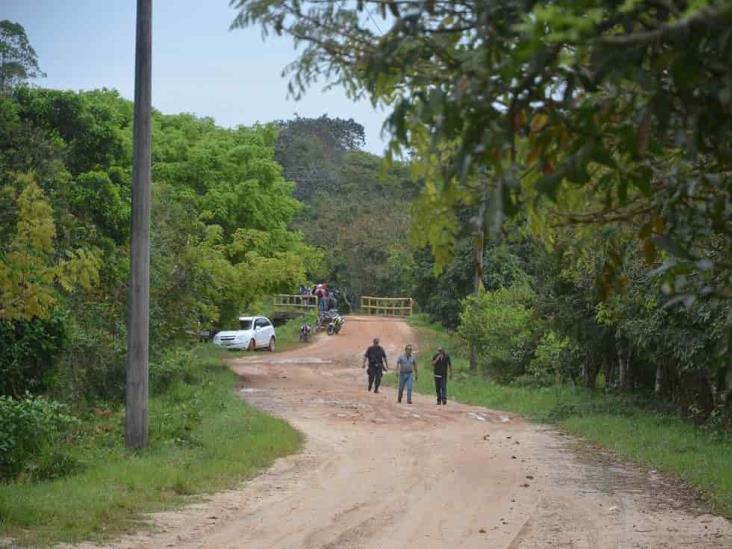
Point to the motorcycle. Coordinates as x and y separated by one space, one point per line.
327 321
305 332
335 324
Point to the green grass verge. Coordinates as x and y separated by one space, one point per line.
203 438
288 334
632 426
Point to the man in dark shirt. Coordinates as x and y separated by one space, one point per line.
442 365
376 358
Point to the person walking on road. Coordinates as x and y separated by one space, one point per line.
442 365
407 368
376 358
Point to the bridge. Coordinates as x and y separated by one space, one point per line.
286 306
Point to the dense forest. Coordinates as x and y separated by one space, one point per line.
356 212
222 237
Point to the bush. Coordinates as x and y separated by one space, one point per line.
93 367
502 324
546 366
172 365
28 353
31 432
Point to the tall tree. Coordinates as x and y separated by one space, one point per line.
311 151
18 59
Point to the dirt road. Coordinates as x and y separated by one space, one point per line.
378 474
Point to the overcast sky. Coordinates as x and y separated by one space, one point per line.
199 65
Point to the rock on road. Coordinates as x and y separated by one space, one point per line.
377 474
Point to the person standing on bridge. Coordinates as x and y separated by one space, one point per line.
442 365
376 358
407 368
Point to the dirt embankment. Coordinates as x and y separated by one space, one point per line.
379 474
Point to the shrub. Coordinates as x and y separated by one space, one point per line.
31 431
172 365
502 324
28 353
93 367
546 366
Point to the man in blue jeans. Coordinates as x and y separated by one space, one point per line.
442 365
407 368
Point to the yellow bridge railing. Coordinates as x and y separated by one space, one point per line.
295 302
387 306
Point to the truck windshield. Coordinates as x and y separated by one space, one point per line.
245 324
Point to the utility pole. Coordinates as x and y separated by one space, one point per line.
138 329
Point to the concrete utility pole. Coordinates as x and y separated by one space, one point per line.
136 425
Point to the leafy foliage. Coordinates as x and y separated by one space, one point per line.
354 211
18 59
30 429
501 324
607 124
221 238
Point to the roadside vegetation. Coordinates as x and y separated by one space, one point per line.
221 238
86 485
638 427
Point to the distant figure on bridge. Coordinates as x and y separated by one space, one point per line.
442 365
407 368
321 290
376 358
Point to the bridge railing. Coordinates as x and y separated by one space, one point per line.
387 306
294 302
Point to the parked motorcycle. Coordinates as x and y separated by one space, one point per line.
335 324
305 332
325 319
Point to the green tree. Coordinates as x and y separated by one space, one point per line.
630 100
18 59
311 151
30 271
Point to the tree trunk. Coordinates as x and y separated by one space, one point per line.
136 420
589 374
626 382
660 380
530 351
478 256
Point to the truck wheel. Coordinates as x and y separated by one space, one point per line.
252 346
271 346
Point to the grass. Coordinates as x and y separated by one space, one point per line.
203 438
288 334
630 426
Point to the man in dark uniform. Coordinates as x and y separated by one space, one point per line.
375 356
442 365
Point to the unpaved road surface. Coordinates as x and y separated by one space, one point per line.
379 474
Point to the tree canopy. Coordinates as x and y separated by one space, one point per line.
18 59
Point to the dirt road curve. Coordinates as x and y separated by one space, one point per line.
381 475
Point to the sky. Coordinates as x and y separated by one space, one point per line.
199 65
